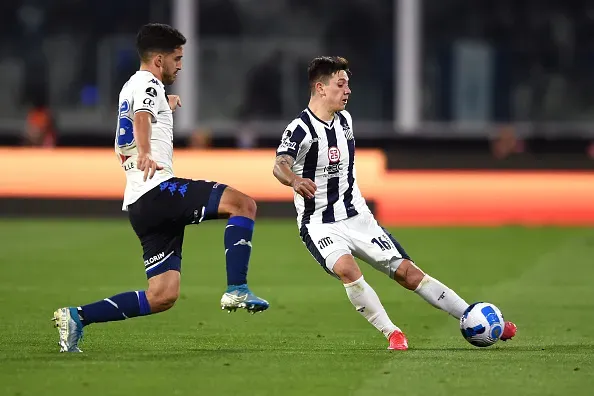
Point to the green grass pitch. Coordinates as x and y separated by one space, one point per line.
311 341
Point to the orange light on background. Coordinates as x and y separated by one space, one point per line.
415 198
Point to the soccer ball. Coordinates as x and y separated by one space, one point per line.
482 324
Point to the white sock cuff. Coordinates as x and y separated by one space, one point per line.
423 281
355 283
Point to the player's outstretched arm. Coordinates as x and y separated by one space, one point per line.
283 172
142 136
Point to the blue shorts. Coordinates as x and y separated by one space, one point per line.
160 216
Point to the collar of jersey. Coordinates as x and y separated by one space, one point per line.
326 123
151 74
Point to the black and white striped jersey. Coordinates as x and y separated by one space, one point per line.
325 153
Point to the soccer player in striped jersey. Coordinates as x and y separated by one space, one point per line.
316 157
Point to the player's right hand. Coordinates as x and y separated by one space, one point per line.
304 187
147 164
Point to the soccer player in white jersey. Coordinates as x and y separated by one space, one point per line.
161 205
316 157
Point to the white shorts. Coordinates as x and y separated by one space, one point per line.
360 236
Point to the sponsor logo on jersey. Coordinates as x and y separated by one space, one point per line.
151 91
286 143
333 169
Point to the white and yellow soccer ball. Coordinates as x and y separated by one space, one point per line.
482 324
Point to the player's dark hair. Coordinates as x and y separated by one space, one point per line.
323 67
157 37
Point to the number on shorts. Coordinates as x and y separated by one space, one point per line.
382 242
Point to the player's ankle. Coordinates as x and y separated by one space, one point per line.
236 287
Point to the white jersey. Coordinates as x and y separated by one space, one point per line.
325 153
144 92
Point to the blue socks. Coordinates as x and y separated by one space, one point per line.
238 247
119 307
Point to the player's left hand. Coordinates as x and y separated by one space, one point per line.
174 101
147 164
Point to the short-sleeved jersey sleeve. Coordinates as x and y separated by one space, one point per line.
146 97
291 140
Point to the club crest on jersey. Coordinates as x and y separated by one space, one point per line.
333 155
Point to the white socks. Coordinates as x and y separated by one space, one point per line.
367 303
440 296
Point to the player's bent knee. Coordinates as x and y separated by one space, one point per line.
169 298
343 264
162 300
163 291
250 206
245 206
408 275
235 203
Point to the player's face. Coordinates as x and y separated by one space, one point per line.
171 65
338 91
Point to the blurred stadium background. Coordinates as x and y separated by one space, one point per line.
467 113
458 71
438 84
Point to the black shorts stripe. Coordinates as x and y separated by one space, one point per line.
313 249
332 186
398 245
309 168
